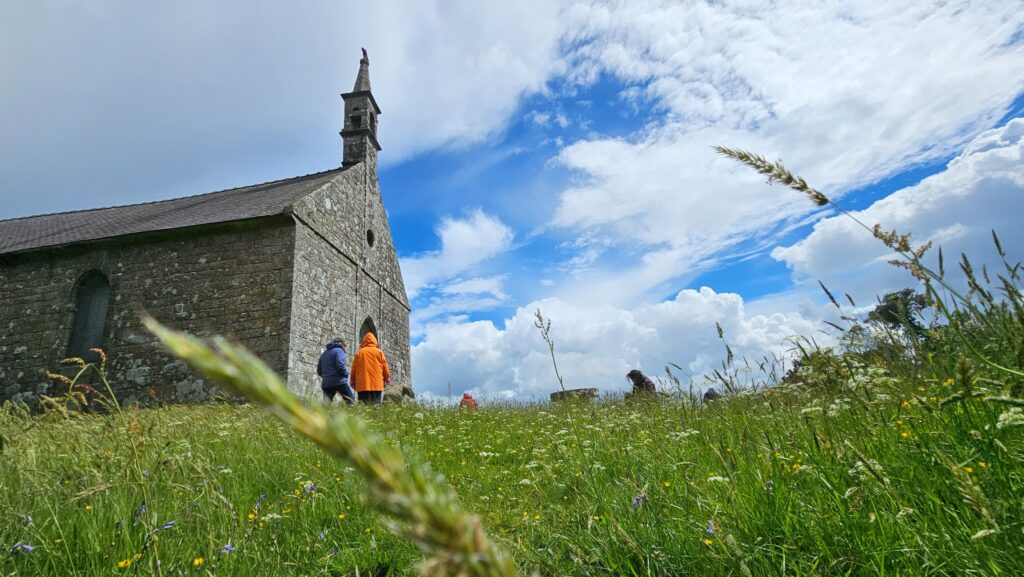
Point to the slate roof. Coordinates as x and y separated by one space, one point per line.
259 200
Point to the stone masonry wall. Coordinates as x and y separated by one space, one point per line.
233 280
338 217
323 306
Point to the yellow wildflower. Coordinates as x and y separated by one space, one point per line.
124 564
969 469
667 484
905 405
341 516
708 541
198 561
983 464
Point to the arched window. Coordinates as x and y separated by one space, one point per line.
92 299
368 327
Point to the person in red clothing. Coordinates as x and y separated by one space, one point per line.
370 371
467 402
641 383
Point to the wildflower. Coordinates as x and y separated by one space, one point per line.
341 516
969 469
252 516
21 546
983 464
124 564
708 542
905 405
710 529
1011 418
321 535
229 548
198 561
718 479
947 382
168 525
770 486
138 556
638 501
666 484
905 434
138 514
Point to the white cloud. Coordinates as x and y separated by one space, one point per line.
845 93
465 243
492 285
595 347
189 96
981 190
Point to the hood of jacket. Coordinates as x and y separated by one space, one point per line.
335 344
368 340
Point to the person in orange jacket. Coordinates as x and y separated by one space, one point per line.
369 371
467 402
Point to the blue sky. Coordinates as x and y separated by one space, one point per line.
551 154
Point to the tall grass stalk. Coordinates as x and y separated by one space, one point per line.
422 507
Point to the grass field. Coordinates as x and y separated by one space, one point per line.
899 453
875 479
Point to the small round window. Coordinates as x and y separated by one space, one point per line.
369 238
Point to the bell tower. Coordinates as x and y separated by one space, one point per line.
359 134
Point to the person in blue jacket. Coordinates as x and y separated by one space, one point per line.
333 373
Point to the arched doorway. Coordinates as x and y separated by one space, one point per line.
368 327
92 300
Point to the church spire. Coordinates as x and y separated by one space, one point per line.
363 78
360 131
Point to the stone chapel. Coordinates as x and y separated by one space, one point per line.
280 267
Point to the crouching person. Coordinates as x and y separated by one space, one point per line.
643 386
334 374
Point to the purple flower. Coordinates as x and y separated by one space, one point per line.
168 525
322 535
770 486
20 546
229 548
145 474
138 514
710 529
310 488
638 501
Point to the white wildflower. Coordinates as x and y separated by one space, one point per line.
1011 418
